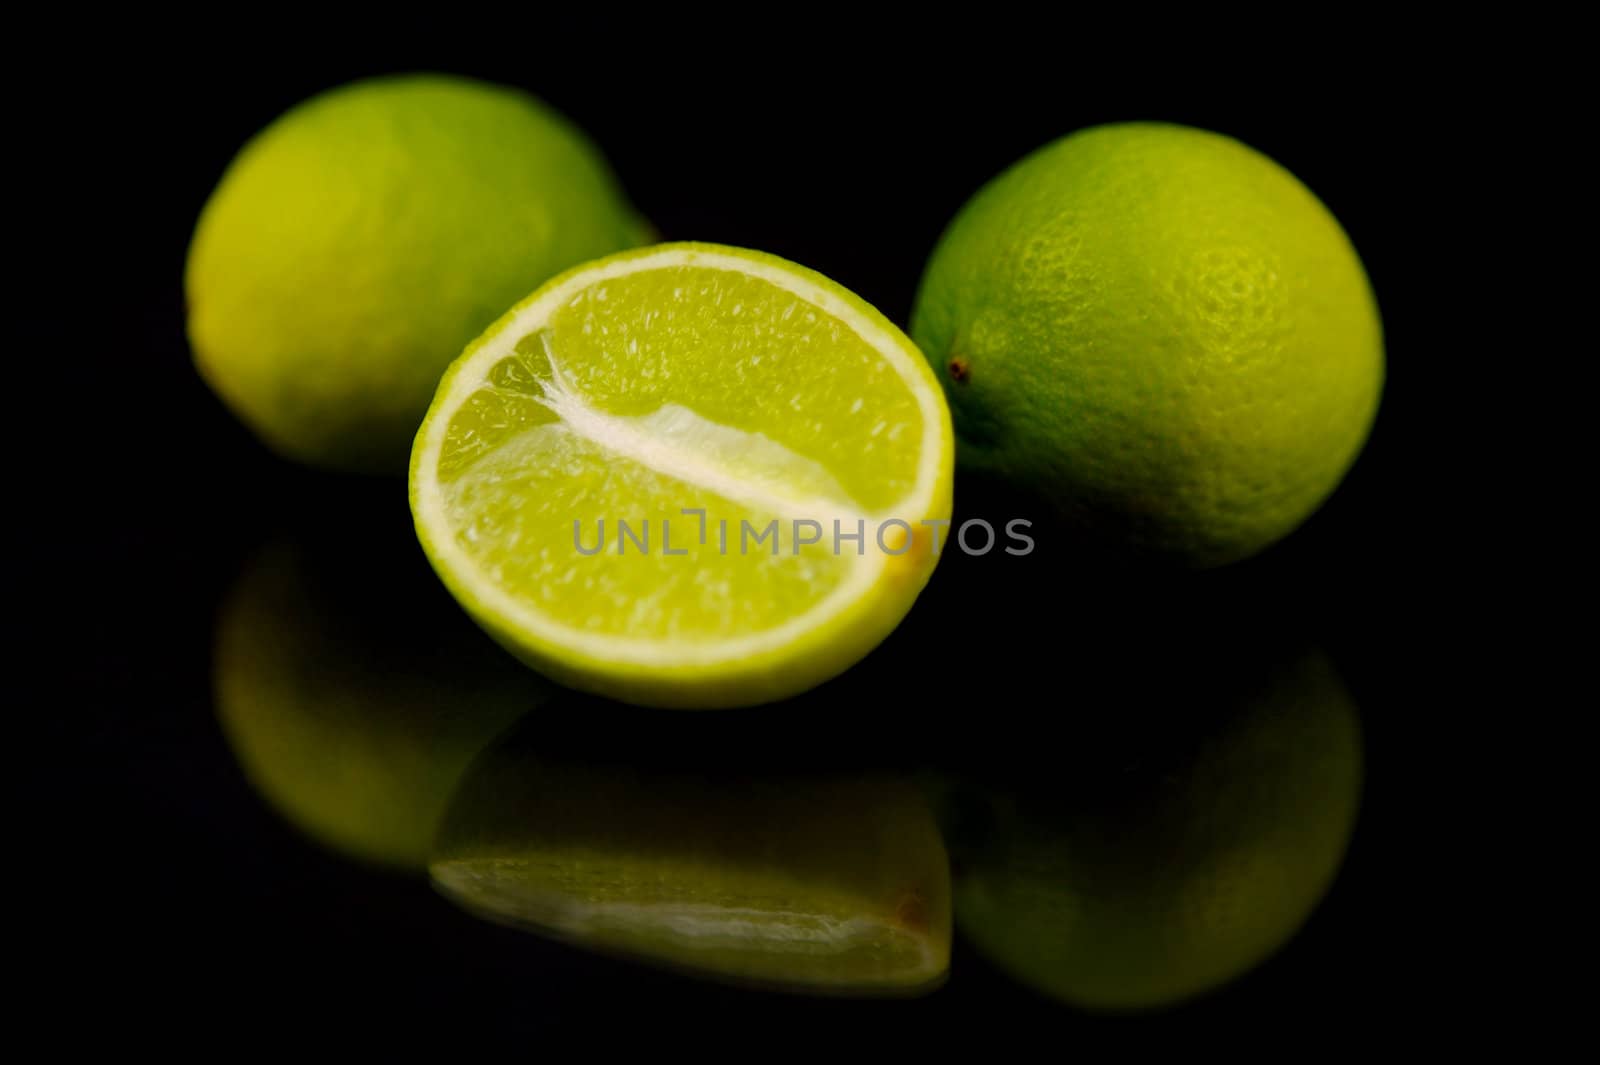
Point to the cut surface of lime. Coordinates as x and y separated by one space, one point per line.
688 475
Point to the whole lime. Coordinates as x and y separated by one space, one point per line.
1161 334
356 244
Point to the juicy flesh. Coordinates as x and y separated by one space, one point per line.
669 389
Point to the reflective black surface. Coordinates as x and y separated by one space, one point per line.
1104 799
1225 761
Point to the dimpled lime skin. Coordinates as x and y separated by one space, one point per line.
1159 333
355 246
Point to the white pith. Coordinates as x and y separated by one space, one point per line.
623 436
520 616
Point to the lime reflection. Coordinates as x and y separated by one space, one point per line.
1179 876
825 883
354 693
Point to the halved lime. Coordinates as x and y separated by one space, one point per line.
688 475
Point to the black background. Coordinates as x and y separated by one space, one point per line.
175 901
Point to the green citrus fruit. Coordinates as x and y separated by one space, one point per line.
1161 334
729 407
352 720
357 243
827 883
1179 874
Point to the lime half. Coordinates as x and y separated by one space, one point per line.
687 476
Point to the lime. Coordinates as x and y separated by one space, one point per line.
356 244
836 884
352 721
686 476
1160 334
1183 872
